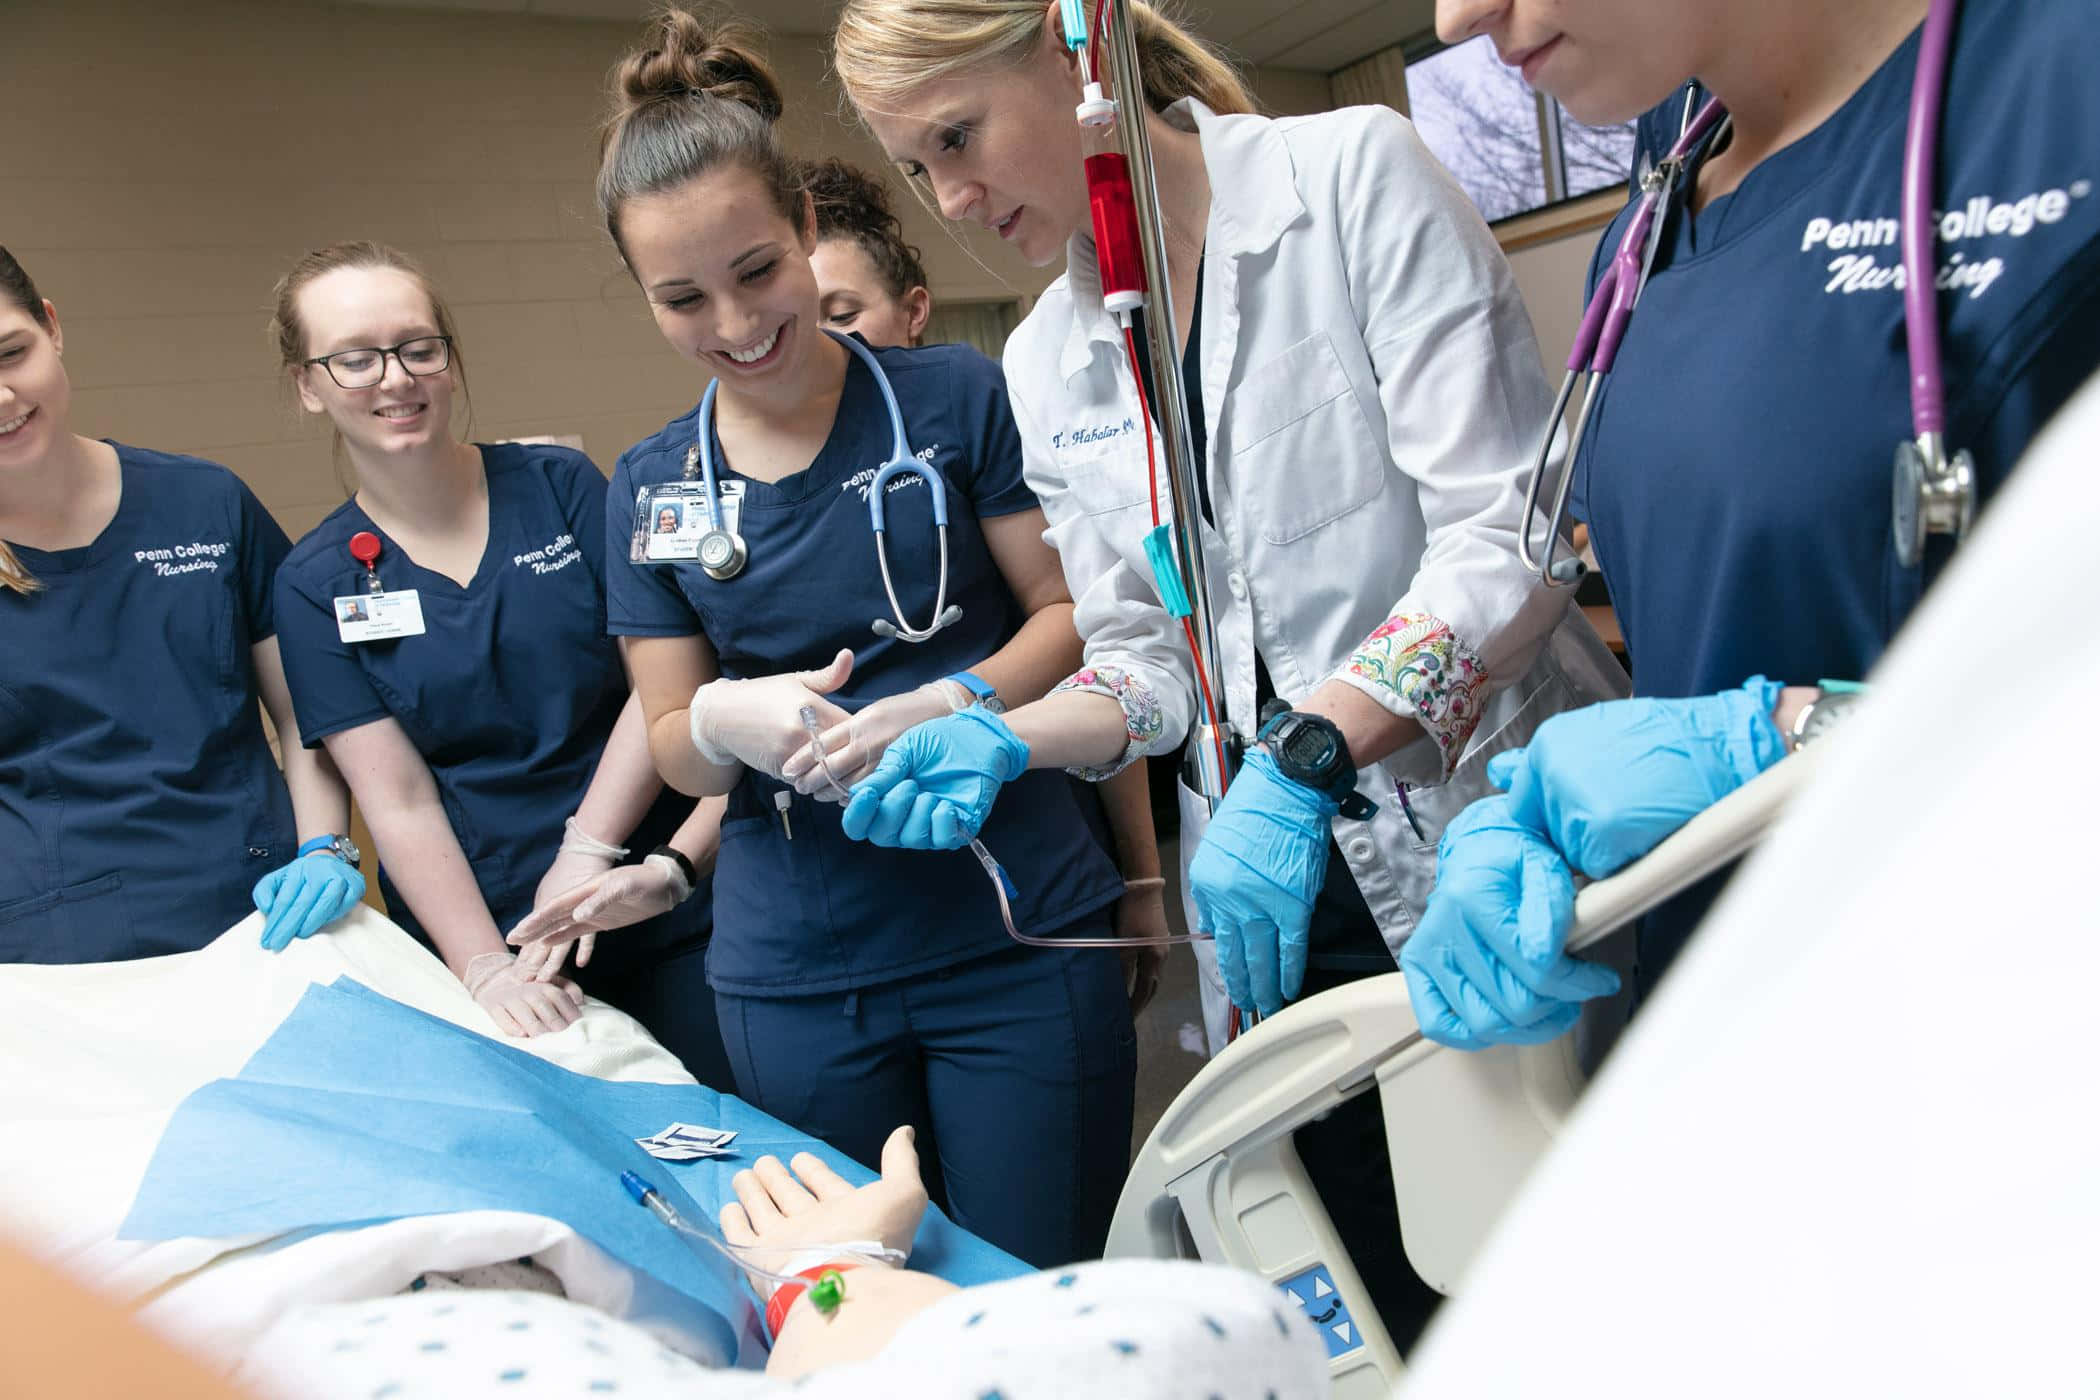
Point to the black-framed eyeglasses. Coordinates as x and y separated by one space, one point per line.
362 368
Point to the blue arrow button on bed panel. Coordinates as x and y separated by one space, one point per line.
1315 1295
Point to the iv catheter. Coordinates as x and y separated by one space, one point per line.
1002 883
648 1197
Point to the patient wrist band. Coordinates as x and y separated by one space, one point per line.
826 1287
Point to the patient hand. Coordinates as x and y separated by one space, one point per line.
783 1213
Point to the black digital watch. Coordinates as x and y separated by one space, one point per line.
1309 749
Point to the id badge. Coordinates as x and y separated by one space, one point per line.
377 617
670 519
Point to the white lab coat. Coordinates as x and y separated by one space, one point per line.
1372 394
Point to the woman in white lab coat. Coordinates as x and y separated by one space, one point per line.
1365 391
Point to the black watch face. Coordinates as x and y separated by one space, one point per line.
1307 749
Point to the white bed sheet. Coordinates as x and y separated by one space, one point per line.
95 1058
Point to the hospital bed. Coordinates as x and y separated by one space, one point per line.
100 1063
1220 1180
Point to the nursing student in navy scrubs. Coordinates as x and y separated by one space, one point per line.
478 709
859 988
1736 475
870 283
141 812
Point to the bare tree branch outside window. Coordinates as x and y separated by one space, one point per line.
1481 120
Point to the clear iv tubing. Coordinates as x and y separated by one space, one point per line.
646 1195
1002 883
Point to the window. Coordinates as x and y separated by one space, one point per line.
1512 149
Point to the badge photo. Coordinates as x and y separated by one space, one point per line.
376 617
671 519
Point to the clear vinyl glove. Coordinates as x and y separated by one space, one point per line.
1487 965
852 748
621 896
581 861
758 722
300 899
518 1005
936 782
1255 877
1606 783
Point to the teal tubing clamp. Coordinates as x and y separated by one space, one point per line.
1166 574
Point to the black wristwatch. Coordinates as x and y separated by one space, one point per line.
1309 749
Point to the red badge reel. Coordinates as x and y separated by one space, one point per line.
364 548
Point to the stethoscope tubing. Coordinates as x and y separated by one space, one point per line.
901 463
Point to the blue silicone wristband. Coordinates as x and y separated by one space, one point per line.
317 843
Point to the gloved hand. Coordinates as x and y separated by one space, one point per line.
580 861
1606 783
621 896
758 722
935 784
517 1004
1485 965
1255 877
300 899
853 747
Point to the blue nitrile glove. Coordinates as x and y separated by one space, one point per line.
1606 783
301 899
1485 965
1254 879
935 784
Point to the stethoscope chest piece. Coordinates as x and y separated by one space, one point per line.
723 554
1934 494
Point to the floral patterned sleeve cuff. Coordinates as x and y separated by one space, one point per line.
1414 665
1141 717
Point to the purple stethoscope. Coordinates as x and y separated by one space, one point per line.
1934 490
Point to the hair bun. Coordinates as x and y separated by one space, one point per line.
849 199
686 57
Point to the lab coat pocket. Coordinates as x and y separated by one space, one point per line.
1512 718
1303 452
81 923
1108 475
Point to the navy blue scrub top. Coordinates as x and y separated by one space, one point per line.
1736 476
511 692
139 802
819 912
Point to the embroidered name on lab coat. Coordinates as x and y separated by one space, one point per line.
1080 437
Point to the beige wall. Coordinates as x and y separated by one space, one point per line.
165 162
1550 277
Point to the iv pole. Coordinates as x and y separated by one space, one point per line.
1200 764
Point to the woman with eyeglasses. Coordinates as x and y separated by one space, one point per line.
480 713
140 810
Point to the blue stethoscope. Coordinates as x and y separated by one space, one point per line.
1934 491
723 552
